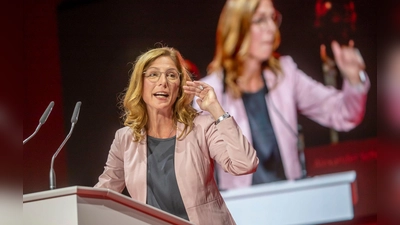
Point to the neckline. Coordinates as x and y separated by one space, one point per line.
162 139
262 90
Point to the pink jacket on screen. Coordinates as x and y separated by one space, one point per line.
341 110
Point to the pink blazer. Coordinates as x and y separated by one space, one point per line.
338 109
194 166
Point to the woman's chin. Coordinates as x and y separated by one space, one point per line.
261 56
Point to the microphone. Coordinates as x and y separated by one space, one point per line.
74 119
42 120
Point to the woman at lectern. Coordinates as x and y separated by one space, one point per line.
166 152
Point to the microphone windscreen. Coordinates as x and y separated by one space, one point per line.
75 115
46 113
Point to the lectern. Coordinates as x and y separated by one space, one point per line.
78 205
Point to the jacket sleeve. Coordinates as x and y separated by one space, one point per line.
230 148
113 174
341 110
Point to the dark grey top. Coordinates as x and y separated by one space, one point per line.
270 167
162 188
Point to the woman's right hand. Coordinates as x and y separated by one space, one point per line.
349 61
207 99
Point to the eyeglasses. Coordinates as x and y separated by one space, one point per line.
276 17
154 75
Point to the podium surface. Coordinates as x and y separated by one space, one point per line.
315 200
87 206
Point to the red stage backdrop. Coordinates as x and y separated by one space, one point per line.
42 84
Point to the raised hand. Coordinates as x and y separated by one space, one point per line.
349 61
207 100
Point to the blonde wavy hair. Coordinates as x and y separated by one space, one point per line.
132 103
233 42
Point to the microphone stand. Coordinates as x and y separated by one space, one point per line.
74 119
52 172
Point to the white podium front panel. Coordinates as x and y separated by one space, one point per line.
315 200
60 211
111 212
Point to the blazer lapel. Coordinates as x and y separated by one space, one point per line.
136 167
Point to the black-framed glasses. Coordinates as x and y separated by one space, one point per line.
276 17
154 75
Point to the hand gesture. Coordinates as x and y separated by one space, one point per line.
348 59
207 100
